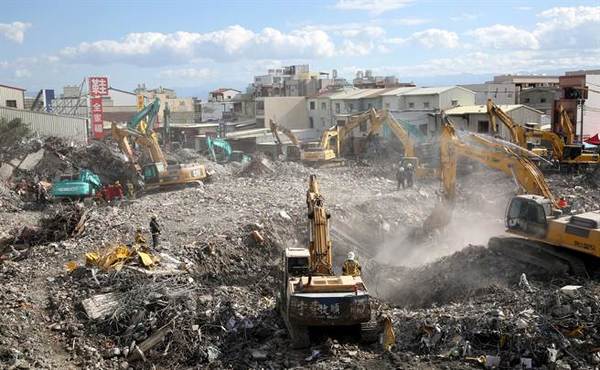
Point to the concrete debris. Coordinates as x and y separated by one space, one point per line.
210 302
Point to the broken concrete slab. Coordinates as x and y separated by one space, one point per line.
570 290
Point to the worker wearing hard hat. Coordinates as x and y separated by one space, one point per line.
410 175
351 266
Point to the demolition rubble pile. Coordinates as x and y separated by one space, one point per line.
59 223
50 157
210 300
528 325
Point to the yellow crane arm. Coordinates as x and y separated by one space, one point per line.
517 132
321 262
121 136
286 131
491 154
566 125
397 129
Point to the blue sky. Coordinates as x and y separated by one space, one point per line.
197 46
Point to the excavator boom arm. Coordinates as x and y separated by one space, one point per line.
318 221
491 154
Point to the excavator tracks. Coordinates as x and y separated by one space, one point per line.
544 256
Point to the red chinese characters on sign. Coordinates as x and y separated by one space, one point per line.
98 86
97 118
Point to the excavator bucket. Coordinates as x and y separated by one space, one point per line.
440 217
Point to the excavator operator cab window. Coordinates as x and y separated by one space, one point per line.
527 216
151 174
297 266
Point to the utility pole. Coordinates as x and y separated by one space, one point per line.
581 122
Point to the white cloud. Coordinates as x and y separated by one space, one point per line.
188 73
430 38
22 73
14 31
374 7
409 21
496 63
232 43
569 27
463 17
351 48
501 36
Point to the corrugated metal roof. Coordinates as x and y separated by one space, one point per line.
357 94
398 91
434 90
482 109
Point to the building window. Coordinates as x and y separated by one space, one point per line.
350 107
423 129
542 100
411 105
323 106
311 123
260 104
11 103
369 106
454 103
337 107
425 104
483 127
312 105
387 105
526 100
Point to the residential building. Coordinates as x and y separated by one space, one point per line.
580 96
474 118
287 111
295 80
540 98
12 97
500 93
366 80
523 82
214 111
420 107
222 94
181 110
334 107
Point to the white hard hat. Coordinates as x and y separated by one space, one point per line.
351 256
401 169
410 165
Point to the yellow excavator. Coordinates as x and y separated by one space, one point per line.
293 152
544 235
565 152
311 294
157 173
409 144
324 151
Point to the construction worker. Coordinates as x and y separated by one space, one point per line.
401 178
118 190
410 175
139 237
155 231
351 266
130 190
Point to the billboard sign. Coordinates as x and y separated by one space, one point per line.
98 86
97 118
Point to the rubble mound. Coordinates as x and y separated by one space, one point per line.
9 201
459 277
260 165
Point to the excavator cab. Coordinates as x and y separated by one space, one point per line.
528 214
151 173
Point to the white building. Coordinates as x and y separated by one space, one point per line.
12 97
474 118
287 111
222 94
500 93
421 106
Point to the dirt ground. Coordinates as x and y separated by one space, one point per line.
452 300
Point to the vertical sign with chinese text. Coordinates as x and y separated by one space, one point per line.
98 87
